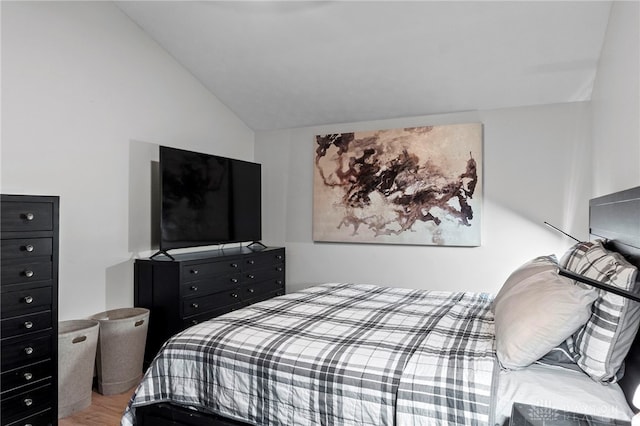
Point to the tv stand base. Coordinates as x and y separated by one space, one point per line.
162 252
257 243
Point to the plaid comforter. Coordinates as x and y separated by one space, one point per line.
335 354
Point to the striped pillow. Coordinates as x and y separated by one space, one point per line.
602 344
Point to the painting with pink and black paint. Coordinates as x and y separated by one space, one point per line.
418 185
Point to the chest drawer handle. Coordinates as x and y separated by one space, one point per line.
29 248
234 295
27 376
250 290
194 288
28 273
251 262
234 280
194 322
29 216
28 300
28 350
28 324
28 402
234 265
194 305
251 276
279 269
279 282
279 257
194 271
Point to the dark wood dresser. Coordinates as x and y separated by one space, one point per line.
29 317
198 286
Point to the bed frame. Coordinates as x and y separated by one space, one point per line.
614 217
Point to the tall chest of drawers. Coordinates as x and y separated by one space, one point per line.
29 316
198 286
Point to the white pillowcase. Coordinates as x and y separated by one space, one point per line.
536 310
529 269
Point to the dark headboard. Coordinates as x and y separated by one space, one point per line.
616 218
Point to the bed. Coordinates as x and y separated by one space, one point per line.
352 354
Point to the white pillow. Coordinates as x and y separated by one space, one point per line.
529 269
537 311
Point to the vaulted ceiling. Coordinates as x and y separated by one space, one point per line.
302 63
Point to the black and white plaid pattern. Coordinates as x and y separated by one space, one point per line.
448 380
334 354
602 344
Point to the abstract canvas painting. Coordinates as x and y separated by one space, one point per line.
418 185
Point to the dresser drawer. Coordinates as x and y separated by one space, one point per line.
259 275
263 260
22 404
26 248
30 323
24 216
198 271
43 418
27 375
25 272
26 300
212 285
197 319
211 302
20 351
251 291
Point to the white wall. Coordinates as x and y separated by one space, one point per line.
536 169
86 99
616 103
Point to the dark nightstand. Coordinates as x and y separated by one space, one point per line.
533 415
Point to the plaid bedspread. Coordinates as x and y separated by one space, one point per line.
335 354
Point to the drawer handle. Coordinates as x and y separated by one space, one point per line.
27 376
194 305
194 287
29 216
28 325
234 280
279 257
250 290
29 248
28 402
28 300
250 276
28 273
194 322
279 282
234 295
251 261
234 265
194 271
28 350
279 269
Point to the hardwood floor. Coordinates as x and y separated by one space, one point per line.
103 411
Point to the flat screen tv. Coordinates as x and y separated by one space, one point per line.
207 200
